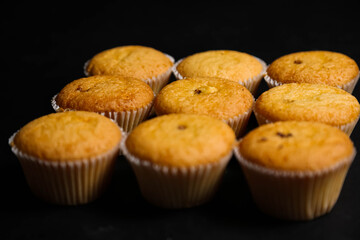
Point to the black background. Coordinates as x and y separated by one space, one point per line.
44 46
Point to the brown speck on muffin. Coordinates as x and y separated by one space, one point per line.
182 127
289 100
263 139
284 135
197 91
79 88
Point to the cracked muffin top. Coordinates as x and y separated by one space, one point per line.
105 93
325 67
296 146
228 64
181 140
68 136
308 102
130 61
218 98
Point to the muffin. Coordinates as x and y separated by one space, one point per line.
295 170
232 65
179 159
218 98
126 100
308 102
322 67
145 63
68 158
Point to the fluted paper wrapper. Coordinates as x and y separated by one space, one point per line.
156 82
291 195
349 87
252 84
346 128
67 183
127 120
177 187
239 123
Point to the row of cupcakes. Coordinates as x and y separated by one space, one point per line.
154 67
295 169
113 72
100 93
129 101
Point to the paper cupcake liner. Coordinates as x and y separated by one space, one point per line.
127 120
349 87
156 83
347 128
295 195
252 84
177 187
67 183
240 122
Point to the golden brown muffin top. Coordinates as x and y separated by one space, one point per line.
308 102
218 98
105 93
181 140
228 64
68 136
325 67
296 146
130 61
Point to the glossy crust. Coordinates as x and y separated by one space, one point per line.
308 102
325 67
131 61
68 136
105 93
218 98
181 140
228 64
296 146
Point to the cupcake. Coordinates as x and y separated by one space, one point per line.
126 100
145 63
68 158
308 102
295 170
232 65
218 98
179 159
322 67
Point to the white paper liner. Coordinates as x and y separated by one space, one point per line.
295 195
346 128
251 84
156 83
127 120
177 187
68 182
240 122
349 87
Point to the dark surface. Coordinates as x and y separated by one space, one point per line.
45 47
